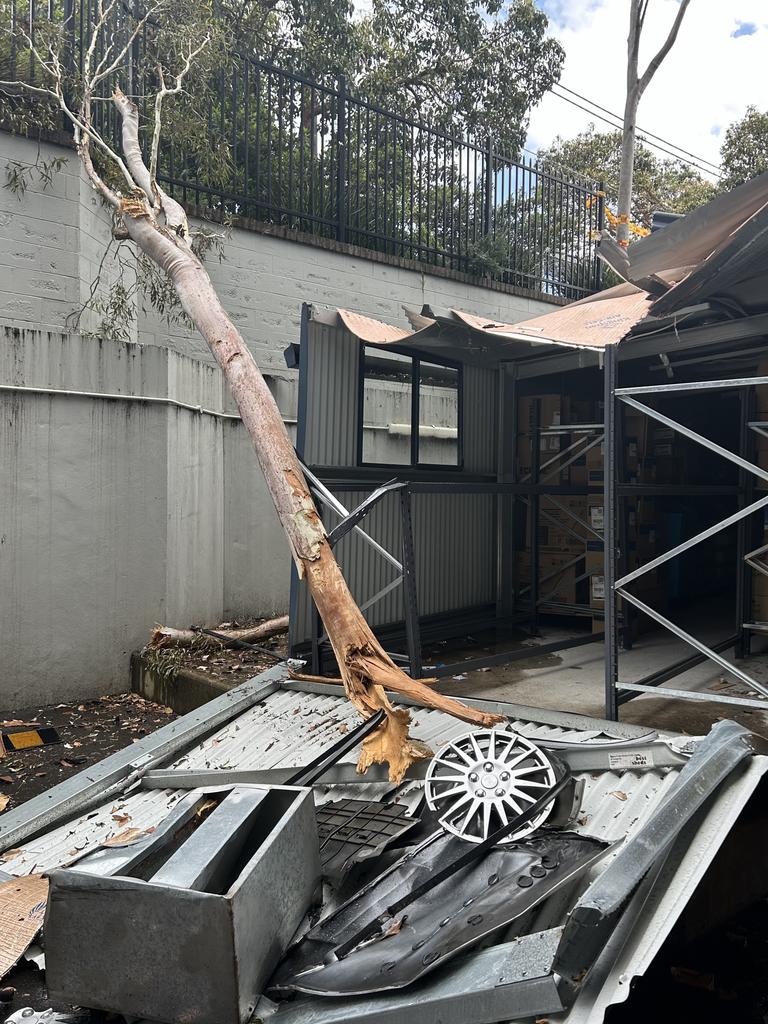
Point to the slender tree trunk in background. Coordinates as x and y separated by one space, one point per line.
636 86
627 168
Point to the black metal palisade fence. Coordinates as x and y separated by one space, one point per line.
316 159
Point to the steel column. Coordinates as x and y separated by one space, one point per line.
611 647
746 489
534 517
410 598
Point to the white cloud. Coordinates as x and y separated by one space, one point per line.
706 82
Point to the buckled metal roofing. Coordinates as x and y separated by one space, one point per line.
272 721
714 251
589 324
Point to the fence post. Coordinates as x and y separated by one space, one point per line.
600 226
341 160
488 205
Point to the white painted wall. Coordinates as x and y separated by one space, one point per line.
115 515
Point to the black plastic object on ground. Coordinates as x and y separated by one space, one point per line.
451 917
351 831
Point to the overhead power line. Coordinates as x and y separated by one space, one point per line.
644 131
653 145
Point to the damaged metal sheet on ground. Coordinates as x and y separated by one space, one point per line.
597 836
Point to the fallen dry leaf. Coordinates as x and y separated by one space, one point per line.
9 855
6 778
4 801
128 835
619 795
122 819
343 727
395 927
17 721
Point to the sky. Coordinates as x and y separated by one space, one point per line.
718 66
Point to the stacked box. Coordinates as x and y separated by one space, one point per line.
651 453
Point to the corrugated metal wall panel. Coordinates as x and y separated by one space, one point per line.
480 419
331 426
454 534
332 399
454 540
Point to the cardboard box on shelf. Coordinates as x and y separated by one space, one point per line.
593 565
658 469
568 506
556 538
595 457
552 409
561 589
596 518
549 561
631 453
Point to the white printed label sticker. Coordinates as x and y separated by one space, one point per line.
630 759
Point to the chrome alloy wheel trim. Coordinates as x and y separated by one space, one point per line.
484 779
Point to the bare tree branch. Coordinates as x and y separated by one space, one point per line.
97 29
160 96
105 72
669 42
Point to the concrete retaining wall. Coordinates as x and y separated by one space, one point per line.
117 514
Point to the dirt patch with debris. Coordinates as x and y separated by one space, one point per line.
228 665
88 732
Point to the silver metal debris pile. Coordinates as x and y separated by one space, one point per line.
234 865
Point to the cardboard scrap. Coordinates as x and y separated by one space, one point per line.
22 909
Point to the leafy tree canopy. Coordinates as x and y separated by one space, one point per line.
458 65
659 184
744 153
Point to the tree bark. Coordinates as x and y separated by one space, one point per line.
365 667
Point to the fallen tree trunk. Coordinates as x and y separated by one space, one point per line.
366 669
167 636
157 224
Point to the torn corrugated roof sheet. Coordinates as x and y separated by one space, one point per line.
716 252
594 322
591 324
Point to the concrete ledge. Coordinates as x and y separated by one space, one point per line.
185 692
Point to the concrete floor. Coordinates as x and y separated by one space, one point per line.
572 680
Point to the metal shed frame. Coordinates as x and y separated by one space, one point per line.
616 692
701 343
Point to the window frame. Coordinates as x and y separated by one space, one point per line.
417 357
